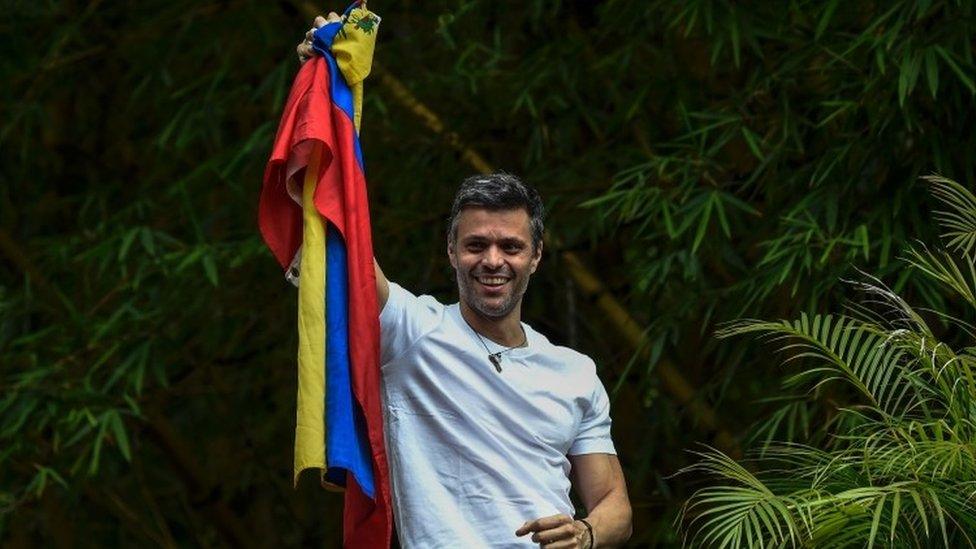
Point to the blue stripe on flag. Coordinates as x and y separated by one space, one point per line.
347 445
341 94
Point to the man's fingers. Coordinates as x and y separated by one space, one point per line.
304 49
320 21
563 532
544 523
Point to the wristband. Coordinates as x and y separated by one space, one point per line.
589 529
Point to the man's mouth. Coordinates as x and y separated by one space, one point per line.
492 281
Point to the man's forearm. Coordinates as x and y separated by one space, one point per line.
611 520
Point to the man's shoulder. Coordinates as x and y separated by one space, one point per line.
567 356
407 297
404 308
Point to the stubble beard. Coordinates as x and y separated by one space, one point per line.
469 295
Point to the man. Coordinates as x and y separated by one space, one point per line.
487 423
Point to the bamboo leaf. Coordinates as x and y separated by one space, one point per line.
963 77
210 268
828 13
932 72
121 438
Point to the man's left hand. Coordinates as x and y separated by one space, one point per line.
305 51
556 532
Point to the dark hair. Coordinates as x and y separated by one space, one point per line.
498 191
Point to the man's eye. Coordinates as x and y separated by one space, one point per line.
513 248
475 247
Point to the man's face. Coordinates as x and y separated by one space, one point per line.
493 259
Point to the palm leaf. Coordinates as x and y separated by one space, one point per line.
959 220
847 349
959 276
743 512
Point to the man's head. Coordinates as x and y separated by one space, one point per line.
495 241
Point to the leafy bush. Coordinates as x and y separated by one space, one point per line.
897 465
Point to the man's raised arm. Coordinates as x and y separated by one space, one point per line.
382 285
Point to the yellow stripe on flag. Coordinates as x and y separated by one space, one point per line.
310 426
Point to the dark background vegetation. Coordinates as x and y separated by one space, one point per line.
703 160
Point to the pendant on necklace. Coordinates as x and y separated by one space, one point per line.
497 361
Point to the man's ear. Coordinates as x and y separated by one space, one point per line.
451 255
537 257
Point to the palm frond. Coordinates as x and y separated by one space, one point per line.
858 516
944 381
847 349
791 421
743 512
837 505
895 313
959 220
959 276
897 466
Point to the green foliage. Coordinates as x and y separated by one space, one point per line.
708 159
897 467
138 302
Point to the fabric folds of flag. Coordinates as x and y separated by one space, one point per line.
313 215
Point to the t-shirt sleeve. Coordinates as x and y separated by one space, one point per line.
404 319
594 432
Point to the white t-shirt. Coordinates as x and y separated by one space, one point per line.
474 453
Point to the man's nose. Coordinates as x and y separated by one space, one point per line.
493 257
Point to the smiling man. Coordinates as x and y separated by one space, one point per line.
488 423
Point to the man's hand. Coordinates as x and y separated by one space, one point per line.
305 51
557 532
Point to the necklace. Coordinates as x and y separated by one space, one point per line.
496 357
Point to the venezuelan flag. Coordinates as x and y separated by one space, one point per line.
313 215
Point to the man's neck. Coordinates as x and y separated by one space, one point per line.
505 331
